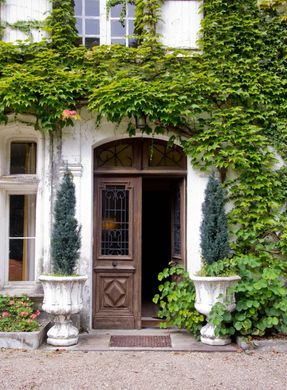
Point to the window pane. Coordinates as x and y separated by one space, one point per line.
131 27
22 218
117 29
92 8
116 11
92 27
131 10
23 158
116 41
90 42
78 7
79 26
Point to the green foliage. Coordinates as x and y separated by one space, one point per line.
176 300
66 240
61 24
17 314
214 230
261 299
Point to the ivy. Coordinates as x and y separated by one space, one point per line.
25 26
176 300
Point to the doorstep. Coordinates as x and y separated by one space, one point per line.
182 341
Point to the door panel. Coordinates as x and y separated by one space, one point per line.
117 233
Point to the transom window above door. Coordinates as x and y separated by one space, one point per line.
139 154
96 27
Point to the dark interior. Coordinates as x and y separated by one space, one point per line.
156 237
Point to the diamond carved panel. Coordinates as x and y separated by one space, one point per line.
115 293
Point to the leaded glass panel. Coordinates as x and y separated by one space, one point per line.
115 155
161 155
115 221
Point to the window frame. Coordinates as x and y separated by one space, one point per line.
15 184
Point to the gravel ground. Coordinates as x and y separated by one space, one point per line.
142 370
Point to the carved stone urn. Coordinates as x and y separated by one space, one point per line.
210 290
63 296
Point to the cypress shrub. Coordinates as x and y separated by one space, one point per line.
214 229
66 239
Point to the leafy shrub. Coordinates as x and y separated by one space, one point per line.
261 299
17 314
176 300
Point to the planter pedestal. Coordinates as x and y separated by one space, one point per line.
210 290
62 298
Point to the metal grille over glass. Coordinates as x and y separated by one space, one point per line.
115 221
176 225
115 155
161 155
87 13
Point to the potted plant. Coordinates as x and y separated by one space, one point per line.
63 289
214 247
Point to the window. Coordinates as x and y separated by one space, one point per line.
87 14
23 158
96 27
18 189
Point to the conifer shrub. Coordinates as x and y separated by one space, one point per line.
66 239
214 229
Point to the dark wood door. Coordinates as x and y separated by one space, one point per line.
117 252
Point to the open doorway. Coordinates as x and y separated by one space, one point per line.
157 203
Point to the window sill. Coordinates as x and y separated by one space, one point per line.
27 182
32 289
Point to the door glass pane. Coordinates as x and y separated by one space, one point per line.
22 237
115 221
23 158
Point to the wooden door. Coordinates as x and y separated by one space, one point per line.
178 222
117 253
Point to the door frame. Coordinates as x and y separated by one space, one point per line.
137 171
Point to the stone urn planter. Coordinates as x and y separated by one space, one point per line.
62 298
210 290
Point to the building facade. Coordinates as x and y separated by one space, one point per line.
138 202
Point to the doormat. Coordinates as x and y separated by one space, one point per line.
140 341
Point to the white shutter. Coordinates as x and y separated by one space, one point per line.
180 23
18 10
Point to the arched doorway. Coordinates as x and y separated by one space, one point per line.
139 226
